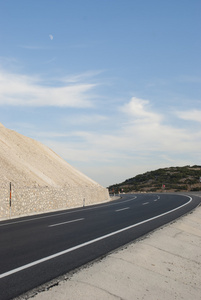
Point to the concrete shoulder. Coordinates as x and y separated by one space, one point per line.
164 265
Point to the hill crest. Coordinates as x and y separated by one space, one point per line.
27 162
173 179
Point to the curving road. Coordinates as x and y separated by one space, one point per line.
37 249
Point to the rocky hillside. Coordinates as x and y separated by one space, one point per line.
172 179
41 180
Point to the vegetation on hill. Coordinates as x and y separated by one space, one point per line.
174 179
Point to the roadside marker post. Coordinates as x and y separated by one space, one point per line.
10 201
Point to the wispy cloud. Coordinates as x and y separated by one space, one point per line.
82 77
140 111
190 115
50 60
21 90
51 37
147 130
142 135
143 140
84 119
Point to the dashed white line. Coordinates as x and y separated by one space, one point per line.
122 209
36 262
66 212
157 199
145 203
72 221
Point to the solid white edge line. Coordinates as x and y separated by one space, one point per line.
34 263
71 221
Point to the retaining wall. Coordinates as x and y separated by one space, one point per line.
33 200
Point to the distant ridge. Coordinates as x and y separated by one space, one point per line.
32 167
173 179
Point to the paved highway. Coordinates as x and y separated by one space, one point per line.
34 250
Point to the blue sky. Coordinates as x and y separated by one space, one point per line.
112 86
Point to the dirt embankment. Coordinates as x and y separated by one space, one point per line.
41 180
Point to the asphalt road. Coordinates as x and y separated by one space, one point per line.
37 249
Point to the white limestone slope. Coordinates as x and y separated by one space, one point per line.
34 169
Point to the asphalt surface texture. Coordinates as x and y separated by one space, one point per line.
37 249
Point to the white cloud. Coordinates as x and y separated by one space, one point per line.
142 137
140 110
21 90
145 130
190 115
140 143
82 77
51 36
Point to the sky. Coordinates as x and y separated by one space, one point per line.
112 86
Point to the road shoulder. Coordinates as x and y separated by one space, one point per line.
164 265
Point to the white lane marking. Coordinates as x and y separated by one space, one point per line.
72 221
34 263
65 213
145 203
122 209
157 199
